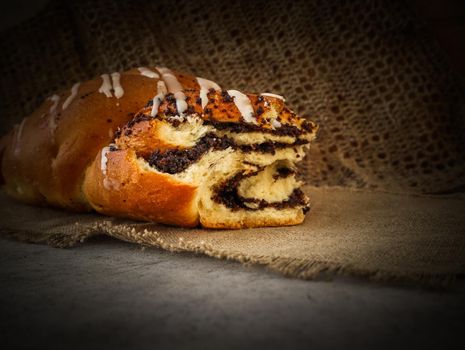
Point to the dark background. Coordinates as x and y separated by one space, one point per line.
109 294
445 18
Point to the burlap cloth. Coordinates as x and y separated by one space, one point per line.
390 108
381 236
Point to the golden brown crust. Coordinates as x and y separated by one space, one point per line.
221 108
144 137
296 218
128 190
54 156
50 162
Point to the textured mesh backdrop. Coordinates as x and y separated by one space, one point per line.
391 111
391 115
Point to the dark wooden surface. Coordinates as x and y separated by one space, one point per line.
107 294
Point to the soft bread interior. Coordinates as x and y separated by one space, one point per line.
186 133
261 182
267 185
261 186
192 128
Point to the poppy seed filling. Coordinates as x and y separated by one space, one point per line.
177 160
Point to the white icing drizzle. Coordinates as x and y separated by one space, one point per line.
175 87
53 111
244 105
273 95
115 77
113 84
161 87
148 73
161 91
163 70
104 160
170 79
181 104
203 97
156 104
275 123
55 99
205 86
105 88
19 133
71 97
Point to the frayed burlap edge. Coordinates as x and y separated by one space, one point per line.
305 269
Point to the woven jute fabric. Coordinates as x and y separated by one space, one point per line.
390 108
380 236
